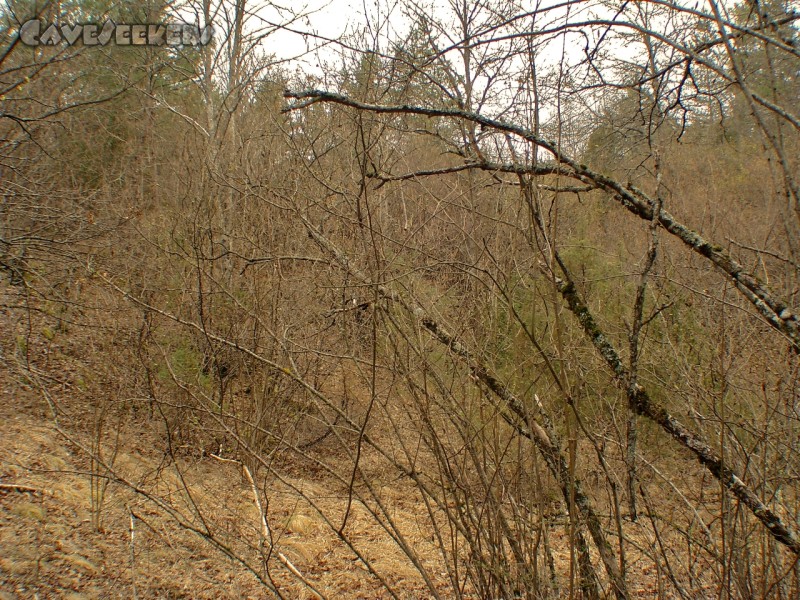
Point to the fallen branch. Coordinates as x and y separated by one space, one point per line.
639 401
540 432
774 309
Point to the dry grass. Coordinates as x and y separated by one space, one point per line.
51 547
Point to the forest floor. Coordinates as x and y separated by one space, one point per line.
167 527
60 539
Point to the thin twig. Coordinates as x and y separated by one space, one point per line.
20 488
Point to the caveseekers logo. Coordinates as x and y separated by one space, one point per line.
38 33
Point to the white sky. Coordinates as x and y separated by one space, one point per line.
332 19
327 18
